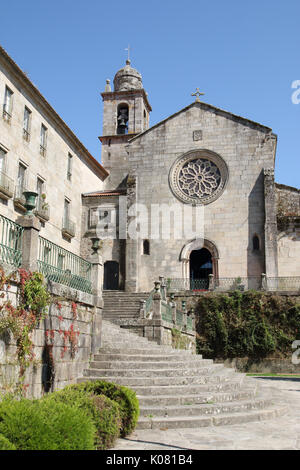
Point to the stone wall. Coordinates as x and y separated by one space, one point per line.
163 333
69 310
270 365
287 200
288 223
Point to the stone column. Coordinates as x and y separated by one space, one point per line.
30 241
157 302
163 287
264 285
97 283
271 257
131 262
143 309
173 305
193 318
183 303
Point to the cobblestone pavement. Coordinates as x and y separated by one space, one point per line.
282 433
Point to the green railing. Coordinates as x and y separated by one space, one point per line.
166 312
189 323
62 266
11 242
179 318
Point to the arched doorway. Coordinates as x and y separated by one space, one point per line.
200 268
111 275
194 256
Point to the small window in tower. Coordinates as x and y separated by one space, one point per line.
122 120
146 247
145 120
256 243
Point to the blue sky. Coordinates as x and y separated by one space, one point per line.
243 55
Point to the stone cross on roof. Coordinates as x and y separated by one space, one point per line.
128 49
197 94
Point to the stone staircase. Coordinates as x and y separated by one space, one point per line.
177 389
120 306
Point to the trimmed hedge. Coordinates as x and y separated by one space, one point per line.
43 425
125 398
246 324
5 444
104 412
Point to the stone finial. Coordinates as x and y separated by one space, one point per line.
107 86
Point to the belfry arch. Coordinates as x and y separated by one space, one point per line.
198 244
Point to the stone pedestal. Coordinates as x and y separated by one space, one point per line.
30 241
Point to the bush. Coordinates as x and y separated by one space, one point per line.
104 412
41 425
246 324
125 398
5 444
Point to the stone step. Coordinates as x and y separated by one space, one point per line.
164 381
200 398
145 358
206 409
96 372
146 351
203 421
175 388
193 364
188 389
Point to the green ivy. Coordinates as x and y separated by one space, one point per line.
246 324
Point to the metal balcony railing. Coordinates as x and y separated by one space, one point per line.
26 135
42 210
64 267
6 113
6 186
43 150
10 242
19 198
68 227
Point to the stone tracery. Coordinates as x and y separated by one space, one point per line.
198 177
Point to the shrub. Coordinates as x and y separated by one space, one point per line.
104 412
125 398
246 324
5 444
40 425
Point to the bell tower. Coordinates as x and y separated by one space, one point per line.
125 114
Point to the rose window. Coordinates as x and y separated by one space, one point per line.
198 177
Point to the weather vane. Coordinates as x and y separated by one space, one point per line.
197 94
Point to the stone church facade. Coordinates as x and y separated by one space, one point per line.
200 157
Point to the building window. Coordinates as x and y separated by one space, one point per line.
21 185
8 103
26 124
146 247
69 171
256 244
43 142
